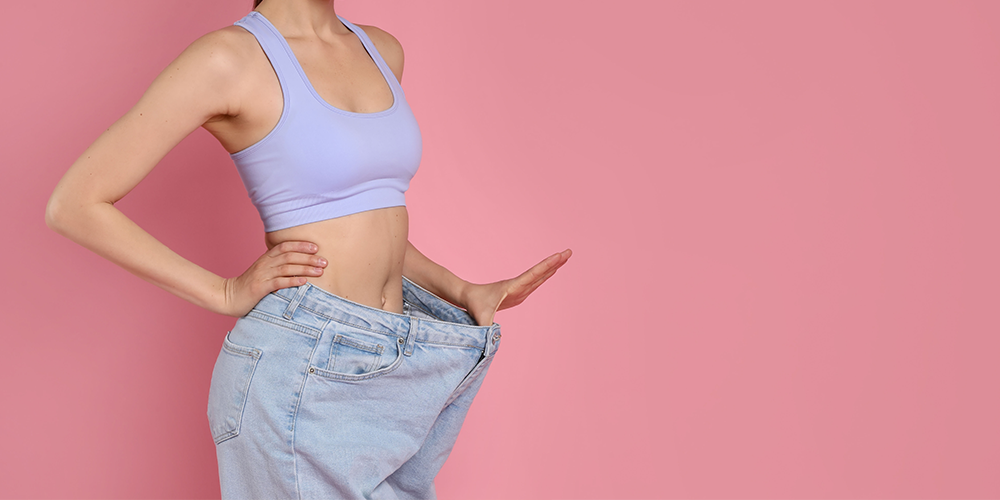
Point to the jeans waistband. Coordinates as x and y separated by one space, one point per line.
312 307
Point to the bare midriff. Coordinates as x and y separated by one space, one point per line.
364 252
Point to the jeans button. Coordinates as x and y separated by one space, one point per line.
496 337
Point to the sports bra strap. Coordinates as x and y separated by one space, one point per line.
376 56
287 67
276 49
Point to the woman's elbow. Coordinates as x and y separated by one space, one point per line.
55 214
62 213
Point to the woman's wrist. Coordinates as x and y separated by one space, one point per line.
444 284
460 292
435 278
204 289
217 301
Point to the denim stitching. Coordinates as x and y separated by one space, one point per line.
449 344
359 377
240 350
434 318
464 384
357 344
421 309
312 332
329 318
380 332
254 354
373 350
295 416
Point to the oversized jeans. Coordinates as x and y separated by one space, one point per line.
315 396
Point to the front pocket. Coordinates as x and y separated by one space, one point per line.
356 356
227 395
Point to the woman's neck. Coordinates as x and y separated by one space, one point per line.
302 18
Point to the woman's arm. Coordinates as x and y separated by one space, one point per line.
433 277
481 301
201 84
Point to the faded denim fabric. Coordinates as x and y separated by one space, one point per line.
315 396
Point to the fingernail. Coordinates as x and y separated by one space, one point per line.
323 262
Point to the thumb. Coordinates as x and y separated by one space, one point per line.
497 308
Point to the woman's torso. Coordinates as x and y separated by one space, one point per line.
365 250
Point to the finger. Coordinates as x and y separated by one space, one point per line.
555 260
279 283
296 270
493 314
527 282
537 270
292 246
298 258
521 291
541 270
541 279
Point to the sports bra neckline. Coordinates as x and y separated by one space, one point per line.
321 162
369 48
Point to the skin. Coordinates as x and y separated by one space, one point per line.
224 82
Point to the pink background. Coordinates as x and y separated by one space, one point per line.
784 215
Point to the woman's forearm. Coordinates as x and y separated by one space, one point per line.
433 277
106 231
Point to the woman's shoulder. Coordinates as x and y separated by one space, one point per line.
225 51
388 46
210 75
221 56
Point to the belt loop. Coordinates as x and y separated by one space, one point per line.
488 345
294 304
492 339
411 337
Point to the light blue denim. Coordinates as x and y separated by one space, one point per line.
315 396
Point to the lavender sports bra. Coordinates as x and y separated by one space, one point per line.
321 162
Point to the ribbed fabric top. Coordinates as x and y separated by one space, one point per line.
321 162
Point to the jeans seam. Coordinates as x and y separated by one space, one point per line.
344 340
464 384
295 416
342 377
284 323
240 350
330 318
360 327
449 344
